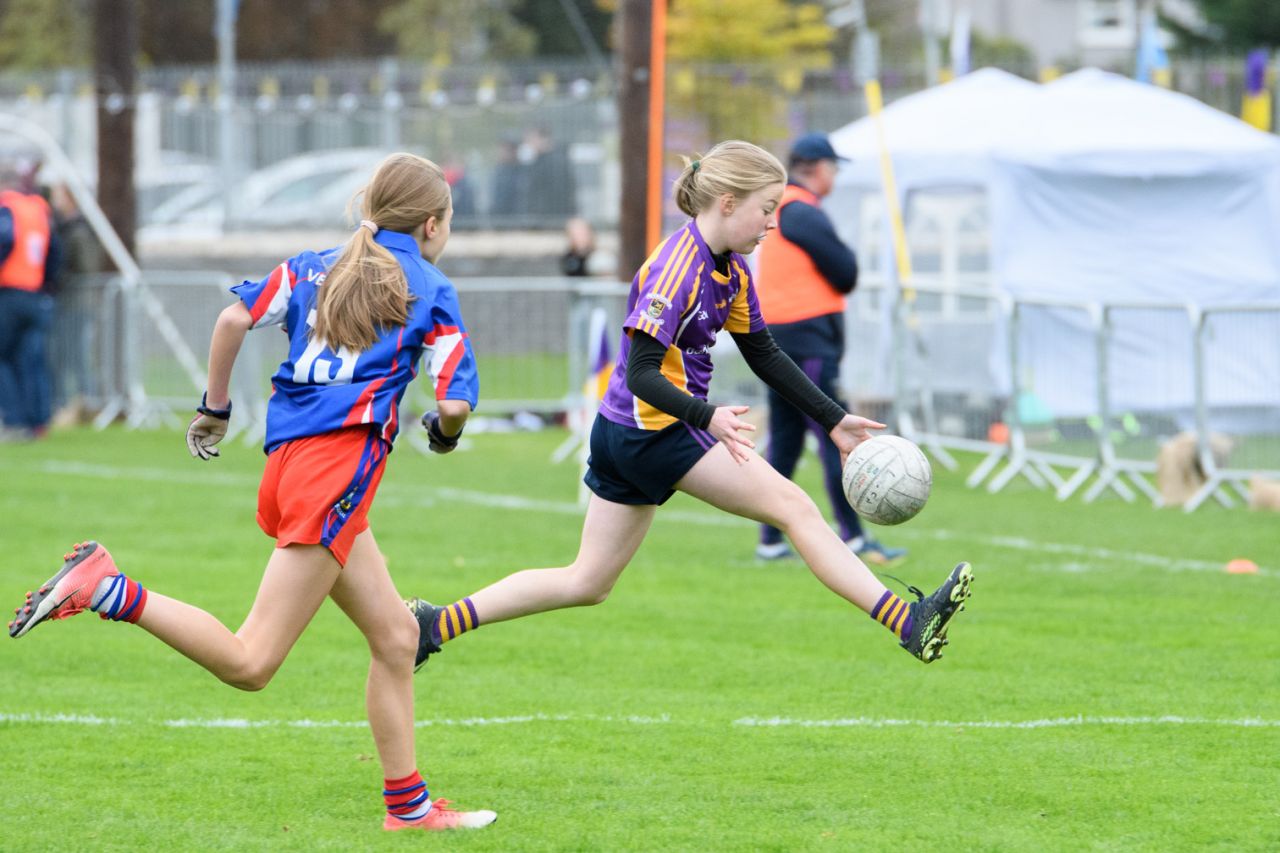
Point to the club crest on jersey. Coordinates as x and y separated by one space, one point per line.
657 304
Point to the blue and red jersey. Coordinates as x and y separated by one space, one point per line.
679 297
317 390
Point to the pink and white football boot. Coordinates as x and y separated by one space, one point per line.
69 591
440 817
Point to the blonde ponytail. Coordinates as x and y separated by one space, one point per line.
366 292
735 167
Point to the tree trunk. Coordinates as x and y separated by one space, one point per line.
635 19
115 47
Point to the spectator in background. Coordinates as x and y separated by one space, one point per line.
805 271
507 196
28 260
464 197
74 385
581 240
550 186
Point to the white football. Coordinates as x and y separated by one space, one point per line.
887 479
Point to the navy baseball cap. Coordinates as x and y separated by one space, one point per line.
814 146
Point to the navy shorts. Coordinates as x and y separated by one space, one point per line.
638 466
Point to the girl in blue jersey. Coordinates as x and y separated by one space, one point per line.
656 433
359 318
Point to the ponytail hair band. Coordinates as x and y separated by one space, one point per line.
694 165
371 225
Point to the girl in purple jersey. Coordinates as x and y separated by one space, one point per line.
358 323
656 433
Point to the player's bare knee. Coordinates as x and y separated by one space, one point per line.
250 677
595 595
397 641
796 511
586 591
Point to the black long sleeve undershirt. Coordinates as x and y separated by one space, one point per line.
645 380
766 360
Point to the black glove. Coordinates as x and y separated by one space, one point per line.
436 439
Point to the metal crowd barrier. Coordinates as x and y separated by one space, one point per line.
1237 342
938 351
1085 412
970 373
1129 440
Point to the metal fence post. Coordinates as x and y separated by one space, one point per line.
1017 452
392 102
1203 452
1000 451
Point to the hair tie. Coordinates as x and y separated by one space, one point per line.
371 225
694 165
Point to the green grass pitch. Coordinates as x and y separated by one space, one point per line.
1108 688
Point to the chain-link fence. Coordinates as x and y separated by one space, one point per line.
525 144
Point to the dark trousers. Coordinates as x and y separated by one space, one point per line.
25 318
787 427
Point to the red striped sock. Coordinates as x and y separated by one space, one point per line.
119 598
407 798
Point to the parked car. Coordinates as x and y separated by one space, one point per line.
166 174
175 172
307 191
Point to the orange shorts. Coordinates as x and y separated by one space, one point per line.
318 490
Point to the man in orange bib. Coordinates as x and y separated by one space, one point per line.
804 273
28 257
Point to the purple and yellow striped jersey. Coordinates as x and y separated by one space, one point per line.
679 298
317 390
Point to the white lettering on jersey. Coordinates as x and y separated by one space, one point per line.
311 369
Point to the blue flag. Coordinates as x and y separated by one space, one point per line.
1152 61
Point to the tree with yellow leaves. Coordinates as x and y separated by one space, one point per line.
716 52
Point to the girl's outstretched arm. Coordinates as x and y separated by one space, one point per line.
209 426
228 335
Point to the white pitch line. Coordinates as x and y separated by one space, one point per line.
464 722
396 495
1050 723
65 719
1079 720
1018 543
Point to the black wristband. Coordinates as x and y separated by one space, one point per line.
220 414
433 430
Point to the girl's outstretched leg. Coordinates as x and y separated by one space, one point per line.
295 583
611 534
755 490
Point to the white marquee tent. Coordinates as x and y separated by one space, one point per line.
1099 189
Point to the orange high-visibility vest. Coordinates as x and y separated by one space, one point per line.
24 268
789 284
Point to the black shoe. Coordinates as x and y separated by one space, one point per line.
427 615
930 617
